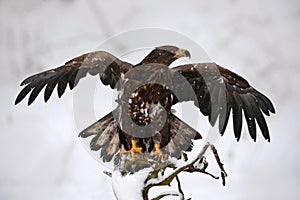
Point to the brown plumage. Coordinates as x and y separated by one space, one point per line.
219 91
147 92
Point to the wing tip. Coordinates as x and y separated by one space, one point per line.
23 93
29 102
46 99
272 110
24 82
16 102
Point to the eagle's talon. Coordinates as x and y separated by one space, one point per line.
157 151
134 149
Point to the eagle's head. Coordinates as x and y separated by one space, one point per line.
165 55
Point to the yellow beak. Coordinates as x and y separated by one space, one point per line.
182 53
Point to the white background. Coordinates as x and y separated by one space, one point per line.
41 156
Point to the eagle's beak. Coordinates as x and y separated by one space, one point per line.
182 53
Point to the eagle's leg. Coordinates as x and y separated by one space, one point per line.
134 149
123 150
157 150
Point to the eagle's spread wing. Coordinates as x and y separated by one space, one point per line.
218 91
101 63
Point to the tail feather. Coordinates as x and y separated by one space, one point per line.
105 134
97 127
106 137
182 136
111 148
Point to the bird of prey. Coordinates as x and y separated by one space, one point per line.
143 120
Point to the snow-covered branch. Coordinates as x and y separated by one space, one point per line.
138 183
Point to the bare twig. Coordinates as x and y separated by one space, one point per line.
169 179
192 170
179 187
221 165
108 173
165 195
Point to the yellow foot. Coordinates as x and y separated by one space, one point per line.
134 149
157 151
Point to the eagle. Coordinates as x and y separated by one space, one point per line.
143 120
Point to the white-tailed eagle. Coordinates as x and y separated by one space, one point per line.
143 121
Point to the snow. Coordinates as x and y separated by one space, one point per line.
41 155
129 186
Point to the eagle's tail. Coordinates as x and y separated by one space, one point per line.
181 137
106 136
